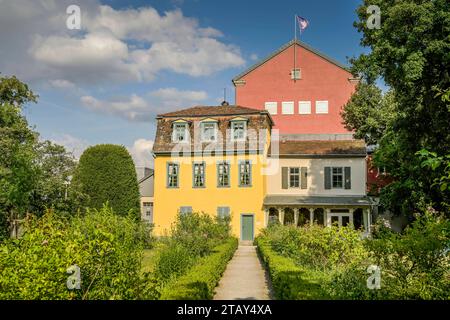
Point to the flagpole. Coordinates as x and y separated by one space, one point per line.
295 45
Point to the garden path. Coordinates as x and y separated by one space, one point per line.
245 277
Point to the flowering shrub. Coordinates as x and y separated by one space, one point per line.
106 247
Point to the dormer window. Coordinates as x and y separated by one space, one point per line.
238 129
209 130
180 132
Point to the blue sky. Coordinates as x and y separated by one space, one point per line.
107 81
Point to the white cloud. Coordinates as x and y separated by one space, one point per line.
141 153
62 84
71 143
254 56
114 45
137 108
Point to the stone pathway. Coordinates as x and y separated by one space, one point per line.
244 278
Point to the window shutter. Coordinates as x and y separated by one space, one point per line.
348 177
304 181
284 177
327 177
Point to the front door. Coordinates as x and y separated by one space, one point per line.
247 227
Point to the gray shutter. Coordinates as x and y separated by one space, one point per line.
304 177
327 177
348 177
284 177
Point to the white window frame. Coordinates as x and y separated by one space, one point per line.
271 107
304 104
175 132
323 102
287 104
202 126
235 123
299 177
342 174
296 74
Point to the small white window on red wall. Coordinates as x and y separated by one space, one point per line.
321 106
304 107
271 107
287 107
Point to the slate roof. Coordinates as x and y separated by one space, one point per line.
319 148
211 111
293 200
257 120
284 47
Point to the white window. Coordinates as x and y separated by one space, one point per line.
209 131
287 107
337 178
238 130
272 107
296 74
304 107
180 132
321 106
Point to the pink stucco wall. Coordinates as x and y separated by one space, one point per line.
321 80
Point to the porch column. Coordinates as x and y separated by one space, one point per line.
327 216
281 215
351 215
311 216
296 214
366 220
266 217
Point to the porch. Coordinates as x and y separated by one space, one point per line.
326 211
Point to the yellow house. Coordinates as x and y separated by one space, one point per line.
211 159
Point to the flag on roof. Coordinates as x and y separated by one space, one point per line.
302 23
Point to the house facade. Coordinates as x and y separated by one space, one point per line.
319 181
146 190
304 90
280 154
210 159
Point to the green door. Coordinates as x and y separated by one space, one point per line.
247 227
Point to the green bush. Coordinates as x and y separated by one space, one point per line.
106 173
317 247
172 262
199 232
199 282
289 280
107 248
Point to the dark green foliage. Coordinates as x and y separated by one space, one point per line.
107 248
199 282
289 280
199 233
106 173
172 262
410 53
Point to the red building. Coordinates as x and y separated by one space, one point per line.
304 92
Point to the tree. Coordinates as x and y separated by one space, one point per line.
106 173
410 53
56 167
18 170
369 113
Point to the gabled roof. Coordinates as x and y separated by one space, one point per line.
147 176
284 47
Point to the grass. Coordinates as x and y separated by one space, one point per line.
150 257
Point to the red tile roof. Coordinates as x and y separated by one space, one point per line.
209 111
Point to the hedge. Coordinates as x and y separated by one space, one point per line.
106 173
199 282
290 281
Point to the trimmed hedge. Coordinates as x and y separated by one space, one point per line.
106 173
290 281
199 282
